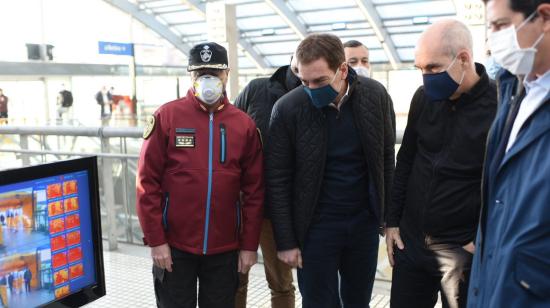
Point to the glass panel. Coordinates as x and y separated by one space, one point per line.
253 9
377 56
153 4
332 16
405 40
190 29
265 22
414 8
318 4
277 48
416 28
273 38
280 60
406 54
187 16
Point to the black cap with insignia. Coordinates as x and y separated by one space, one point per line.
207 55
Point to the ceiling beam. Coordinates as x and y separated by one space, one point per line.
375 21
151 22
288 16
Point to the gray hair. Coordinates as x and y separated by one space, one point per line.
456 36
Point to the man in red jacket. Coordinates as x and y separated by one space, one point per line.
199 154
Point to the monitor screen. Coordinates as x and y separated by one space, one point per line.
50 235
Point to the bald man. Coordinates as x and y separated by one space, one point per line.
432 219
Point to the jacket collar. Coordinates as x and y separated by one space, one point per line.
536 128
284 78
197 103
479 88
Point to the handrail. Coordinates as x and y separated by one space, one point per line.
83 131
44 152
101 132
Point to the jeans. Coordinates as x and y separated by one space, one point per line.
339 245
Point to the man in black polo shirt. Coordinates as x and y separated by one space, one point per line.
436 193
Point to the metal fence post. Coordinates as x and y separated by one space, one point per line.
24 144
109 194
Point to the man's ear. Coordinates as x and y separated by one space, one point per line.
344 70
544 12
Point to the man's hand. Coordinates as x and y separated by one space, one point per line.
292 257
162 257
393 239
246 260
470 247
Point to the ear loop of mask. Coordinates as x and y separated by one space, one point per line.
463 71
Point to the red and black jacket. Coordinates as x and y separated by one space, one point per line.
192 167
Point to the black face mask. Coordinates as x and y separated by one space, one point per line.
291 80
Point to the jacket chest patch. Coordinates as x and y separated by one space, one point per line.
185 141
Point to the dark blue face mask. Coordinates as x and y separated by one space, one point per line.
440 86
322 96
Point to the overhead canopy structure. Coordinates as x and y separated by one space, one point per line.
270 30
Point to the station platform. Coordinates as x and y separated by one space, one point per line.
129 282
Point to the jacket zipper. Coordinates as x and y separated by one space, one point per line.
209 193
165 211
223 143
435 170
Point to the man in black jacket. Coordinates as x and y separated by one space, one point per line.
432 220
257 100
330 163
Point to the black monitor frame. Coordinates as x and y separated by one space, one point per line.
10 176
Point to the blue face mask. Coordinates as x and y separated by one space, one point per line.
440 86
492 67
323 96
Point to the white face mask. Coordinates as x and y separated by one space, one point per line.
208 89
506 51
362 71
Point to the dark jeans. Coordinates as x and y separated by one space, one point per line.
421 271
217 275
339 244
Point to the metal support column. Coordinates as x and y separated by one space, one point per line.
24 143
222 28
109 194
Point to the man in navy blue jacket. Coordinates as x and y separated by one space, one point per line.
511 265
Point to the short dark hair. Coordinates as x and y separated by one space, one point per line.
526 7
353 44
321 45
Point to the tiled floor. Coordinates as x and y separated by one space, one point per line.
129 283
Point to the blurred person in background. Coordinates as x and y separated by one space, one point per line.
257 100
3 107
357 56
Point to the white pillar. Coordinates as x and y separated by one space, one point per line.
222 29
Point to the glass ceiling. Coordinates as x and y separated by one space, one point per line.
274 39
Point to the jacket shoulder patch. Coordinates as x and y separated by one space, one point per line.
149 126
